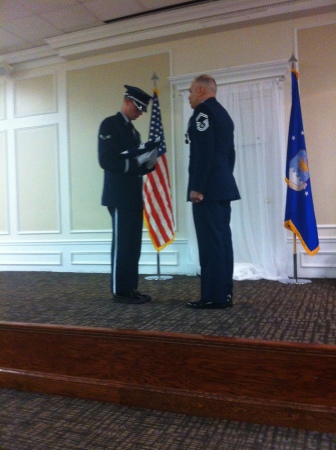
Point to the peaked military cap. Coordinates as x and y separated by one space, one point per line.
139 97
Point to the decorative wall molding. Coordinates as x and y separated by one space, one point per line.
252 72
83 258
32 258
5 69
93 255
321 265
34 139
322 260
90 256
4 170
52 108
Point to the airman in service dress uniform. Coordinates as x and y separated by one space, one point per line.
125 161
211 188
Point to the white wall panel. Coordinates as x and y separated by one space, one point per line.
2 101
324 259
34 258
91 256
37 179
27 103
321 265
3 185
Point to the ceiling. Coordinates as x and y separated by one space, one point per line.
25 24
43 32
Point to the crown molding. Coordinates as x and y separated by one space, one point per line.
196 19
269 70
5 69
35 57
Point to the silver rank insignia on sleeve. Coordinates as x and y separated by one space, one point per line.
202 122
108 136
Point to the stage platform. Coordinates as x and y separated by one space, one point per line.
270 359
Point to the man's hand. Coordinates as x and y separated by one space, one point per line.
195 197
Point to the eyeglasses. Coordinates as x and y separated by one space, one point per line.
186 140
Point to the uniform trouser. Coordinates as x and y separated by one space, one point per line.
212 224
126 248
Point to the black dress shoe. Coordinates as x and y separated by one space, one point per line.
129 297
205 305
147 297
229 301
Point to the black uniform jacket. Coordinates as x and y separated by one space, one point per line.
212 152
122 177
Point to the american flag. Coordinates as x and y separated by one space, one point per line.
158 210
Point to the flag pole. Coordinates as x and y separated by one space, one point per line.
293 61
295 258
158 276
295 279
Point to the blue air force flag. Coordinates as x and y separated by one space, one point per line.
299 215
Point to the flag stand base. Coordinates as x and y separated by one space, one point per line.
294 281
159 277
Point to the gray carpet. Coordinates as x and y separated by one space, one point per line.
262 310
41 422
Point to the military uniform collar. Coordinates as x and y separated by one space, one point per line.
126 119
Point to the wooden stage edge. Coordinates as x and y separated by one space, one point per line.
266 382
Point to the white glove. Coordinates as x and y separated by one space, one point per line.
142 148
142 159
152 159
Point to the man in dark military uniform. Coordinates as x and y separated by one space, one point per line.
125 161
211 188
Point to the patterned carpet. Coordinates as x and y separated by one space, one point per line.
41 422
263 310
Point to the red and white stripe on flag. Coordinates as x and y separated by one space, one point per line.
158 208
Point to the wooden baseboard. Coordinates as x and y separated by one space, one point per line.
272 383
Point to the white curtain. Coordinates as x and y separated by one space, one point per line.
259 237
